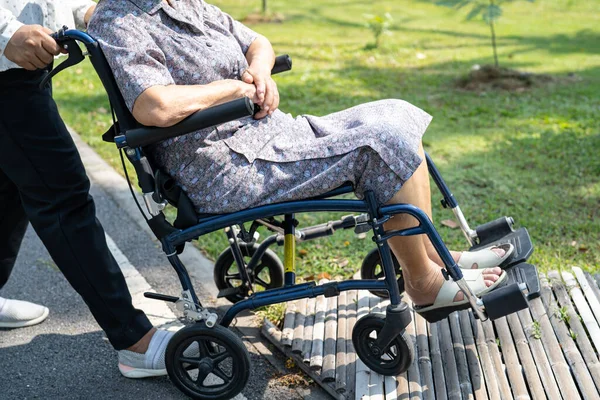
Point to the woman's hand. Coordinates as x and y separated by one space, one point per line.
267 95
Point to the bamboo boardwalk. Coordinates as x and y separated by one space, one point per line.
549 351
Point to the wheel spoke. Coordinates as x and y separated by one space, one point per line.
260 282
203 347
202 376
188 360
218 372
379 275
219 358
233 276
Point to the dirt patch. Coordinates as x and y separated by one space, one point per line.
488 77
260 18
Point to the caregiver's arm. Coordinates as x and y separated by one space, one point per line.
261 57
164 106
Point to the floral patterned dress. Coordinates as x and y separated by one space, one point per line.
246 163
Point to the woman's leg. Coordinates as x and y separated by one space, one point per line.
422 274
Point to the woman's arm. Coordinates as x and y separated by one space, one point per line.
164 106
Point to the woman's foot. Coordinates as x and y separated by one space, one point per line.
424 289
493 256
489 257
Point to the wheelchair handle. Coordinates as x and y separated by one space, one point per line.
202 119
282 63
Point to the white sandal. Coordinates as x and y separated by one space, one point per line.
444 303
485 258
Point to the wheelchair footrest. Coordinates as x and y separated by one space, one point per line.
504 301
519 239
511 298
527 274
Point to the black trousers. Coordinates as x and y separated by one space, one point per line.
43 181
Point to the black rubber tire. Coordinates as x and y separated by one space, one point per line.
225 278
211 340
371 268
395 360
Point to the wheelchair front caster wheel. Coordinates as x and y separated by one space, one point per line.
391 361
207 363
372 268
268 274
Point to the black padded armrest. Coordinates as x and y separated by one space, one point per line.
212 116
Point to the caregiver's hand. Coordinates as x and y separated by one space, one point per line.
31 47
266 89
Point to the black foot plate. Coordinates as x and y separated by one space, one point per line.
528 274
520 240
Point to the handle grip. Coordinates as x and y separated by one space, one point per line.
282 63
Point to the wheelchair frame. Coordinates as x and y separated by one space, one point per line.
130 136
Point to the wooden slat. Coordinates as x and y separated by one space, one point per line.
583 308
593 284
486 361
588 292
539 355
490 339
437 365
402 386
352 301
557 360
390 388
462 366
574 358
270 331
511 360
376 380
581 337
477 382
423 358
309 322
288 324
362 372
329 346
414 376
522 344
298 341
449 360
316 354
340 355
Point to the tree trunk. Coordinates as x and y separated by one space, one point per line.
264 7
493 37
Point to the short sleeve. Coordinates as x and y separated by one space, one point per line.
244 35
134 57
80 8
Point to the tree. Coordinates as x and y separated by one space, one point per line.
264 7
489 10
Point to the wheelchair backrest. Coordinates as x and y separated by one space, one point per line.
124 117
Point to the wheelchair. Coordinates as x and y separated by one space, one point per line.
380 341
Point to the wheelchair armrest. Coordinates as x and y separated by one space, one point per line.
202 119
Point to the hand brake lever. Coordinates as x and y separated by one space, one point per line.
75 54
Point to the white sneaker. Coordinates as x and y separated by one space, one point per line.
17 313
152 363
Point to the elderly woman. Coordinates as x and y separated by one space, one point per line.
171 59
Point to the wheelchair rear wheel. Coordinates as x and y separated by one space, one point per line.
268 274
207 363
372 269
393 360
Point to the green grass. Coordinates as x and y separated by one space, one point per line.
534 155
